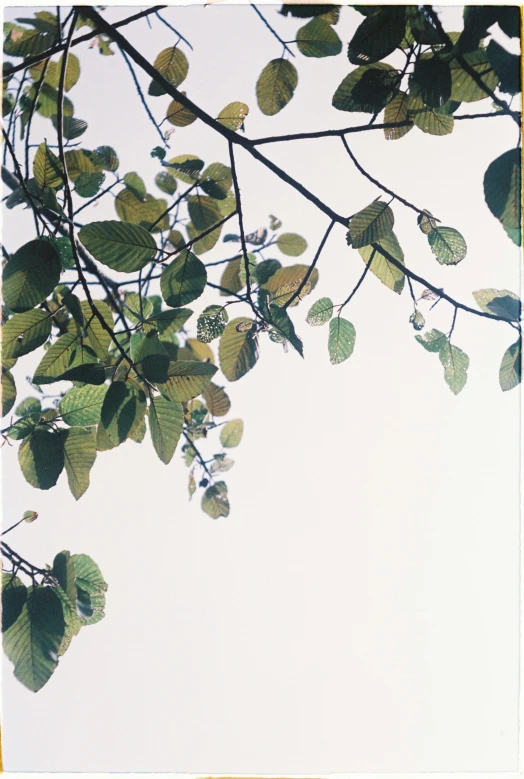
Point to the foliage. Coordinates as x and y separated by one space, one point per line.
106 304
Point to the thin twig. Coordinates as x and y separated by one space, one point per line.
359 282
141 96
305 280
236 189
271 30
173 30
377 183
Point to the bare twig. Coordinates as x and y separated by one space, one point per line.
305 280
271 30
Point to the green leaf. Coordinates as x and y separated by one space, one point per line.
463 87
135 184
265 269
447 245
233 115
8 392
72 128
30 406
318 39
388 273
22 42
367 89
137 309
216 181
341 340
173 65
88 184
216 400
511 367
47 168
238 349
456 364
506 66
179 115
23 333
502 188
283 284
79 458
426 222
378 35
285 327
82 406
30 516
211 323
396 111
79 161
432 122
166 183
432 80
371 224
499 302
65 251
276 86
183 280
121 246
41 458
207 242
144 211
215 502
187 379
433 340
14 596
166 323
57 360
118 411
231 434
150 357
23 427
203 212
185 167
33 641
30 275
166 420
417 320
105 158
99 339
63 571
320 312
291 244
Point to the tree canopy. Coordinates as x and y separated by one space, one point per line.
113 305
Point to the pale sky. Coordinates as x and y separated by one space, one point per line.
358 609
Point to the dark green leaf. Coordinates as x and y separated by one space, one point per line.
79 458
14 596
285 327
318 39
33 641
432 80
378 35
367 89
41 458
118 411
211 323
30 275
502 188
8 392
511 367
183 280
506 66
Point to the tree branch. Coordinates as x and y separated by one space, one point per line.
141 96
36 58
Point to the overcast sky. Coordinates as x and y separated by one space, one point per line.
358 609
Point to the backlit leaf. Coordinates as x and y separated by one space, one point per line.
238 349
121 246
166 420
233 115
82 406
79 457
378 35
187 379
371 224
511 367
447 245
341 340
456 364
215 502
41 458
23 333
276 86
320 312
318 39
216 400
